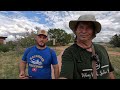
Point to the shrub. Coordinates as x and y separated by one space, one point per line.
4 48
115 40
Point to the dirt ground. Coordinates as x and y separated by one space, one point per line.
114 53
61 49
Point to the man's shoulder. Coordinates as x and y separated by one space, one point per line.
72 47
99 47
51 49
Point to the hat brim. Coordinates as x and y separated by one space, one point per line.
41 34
72 25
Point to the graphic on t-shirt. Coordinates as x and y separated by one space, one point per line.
34 69
36 61
87 73
97 66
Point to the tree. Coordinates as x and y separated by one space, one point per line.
60 36
115 40
11 44
72 37
27 40
4 48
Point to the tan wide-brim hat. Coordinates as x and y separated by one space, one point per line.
91 18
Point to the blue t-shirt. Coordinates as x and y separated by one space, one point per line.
39 62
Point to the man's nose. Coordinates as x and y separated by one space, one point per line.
84 30
41 39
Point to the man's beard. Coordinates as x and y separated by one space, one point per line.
41 45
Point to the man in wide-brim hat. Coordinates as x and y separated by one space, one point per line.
77 60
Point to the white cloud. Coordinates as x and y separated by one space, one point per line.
15 25
10 38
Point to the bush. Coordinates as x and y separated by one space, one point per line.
11 45
4 48
49 43
115 40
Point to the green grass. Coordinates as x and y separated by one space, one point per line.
9 62
115 60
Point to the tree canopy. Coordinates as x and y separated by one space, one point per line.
115 40
61 36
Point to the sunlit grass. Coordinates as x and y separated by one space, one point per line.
115 60
116 49
9 65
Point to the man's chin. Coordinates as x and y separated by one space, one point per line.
83 39
42 45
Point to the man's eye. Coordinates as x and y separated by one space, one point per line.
44 37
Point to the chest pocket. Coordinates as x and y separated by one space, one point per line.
78 62
82 63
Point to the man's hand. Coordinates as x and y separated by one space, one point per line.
22 66
23 76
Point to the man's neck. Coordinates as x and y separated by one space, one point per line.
40 47
85 44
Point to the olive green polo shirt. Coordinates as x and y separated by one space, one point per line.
77 63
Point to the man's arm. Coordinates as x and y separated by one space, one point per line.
67 65
56 71
22 68
111 75
111 69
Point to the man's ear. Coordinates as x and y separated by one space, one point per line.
47 38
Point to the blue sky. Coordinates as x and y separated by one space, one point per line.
14 24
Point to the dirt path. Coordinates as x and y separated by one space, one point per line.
114 53
59 59
59 63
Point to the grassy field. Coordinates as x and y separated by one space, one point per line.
9 65
115 60
9 62
114 54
